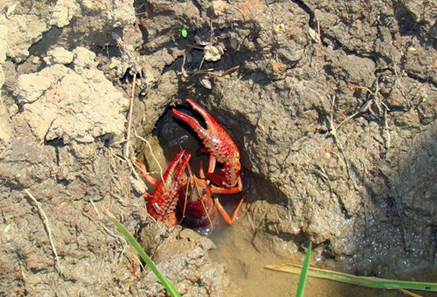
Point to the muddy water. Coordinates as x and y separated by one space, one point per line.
245 266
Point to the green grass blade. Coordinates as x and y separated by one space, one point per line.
137 247
370 282
304 272
8 226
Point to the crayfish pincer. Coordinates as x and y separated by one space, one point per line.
221 147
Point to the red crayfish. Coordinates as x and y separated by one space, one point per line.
162 203
181 195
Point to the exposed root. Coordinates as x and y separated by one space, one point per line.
397 82
106 230
95 209
129 121
386 131
409 293
383 110
184 60
333 132
375 100
48 230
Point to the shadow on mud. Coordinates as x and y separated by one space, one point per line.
401 222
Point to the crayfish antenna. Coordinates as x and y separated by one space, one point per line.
187 187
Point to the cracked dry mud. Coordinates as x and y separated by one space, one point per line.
333 105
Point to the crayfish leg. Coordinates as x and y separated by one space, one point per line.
228 219
212 163
228 191
145 174
171 219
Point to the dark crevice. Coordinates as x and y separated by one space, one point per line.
312 21
369 55
106 139
48 39
407 21
420 79
11 184
128 76
433 251
343 208
56 143
63 181
327 252
302 239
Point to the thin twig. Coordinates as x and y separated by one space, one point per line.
48 230
375 100
318 30
95 208
348 119
333 132
184 60
201 63
409 293
211 32
386 129
129 118
397 83
153 154
214 72
107 231
346 160
210 71
100 224
119 158
129 162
